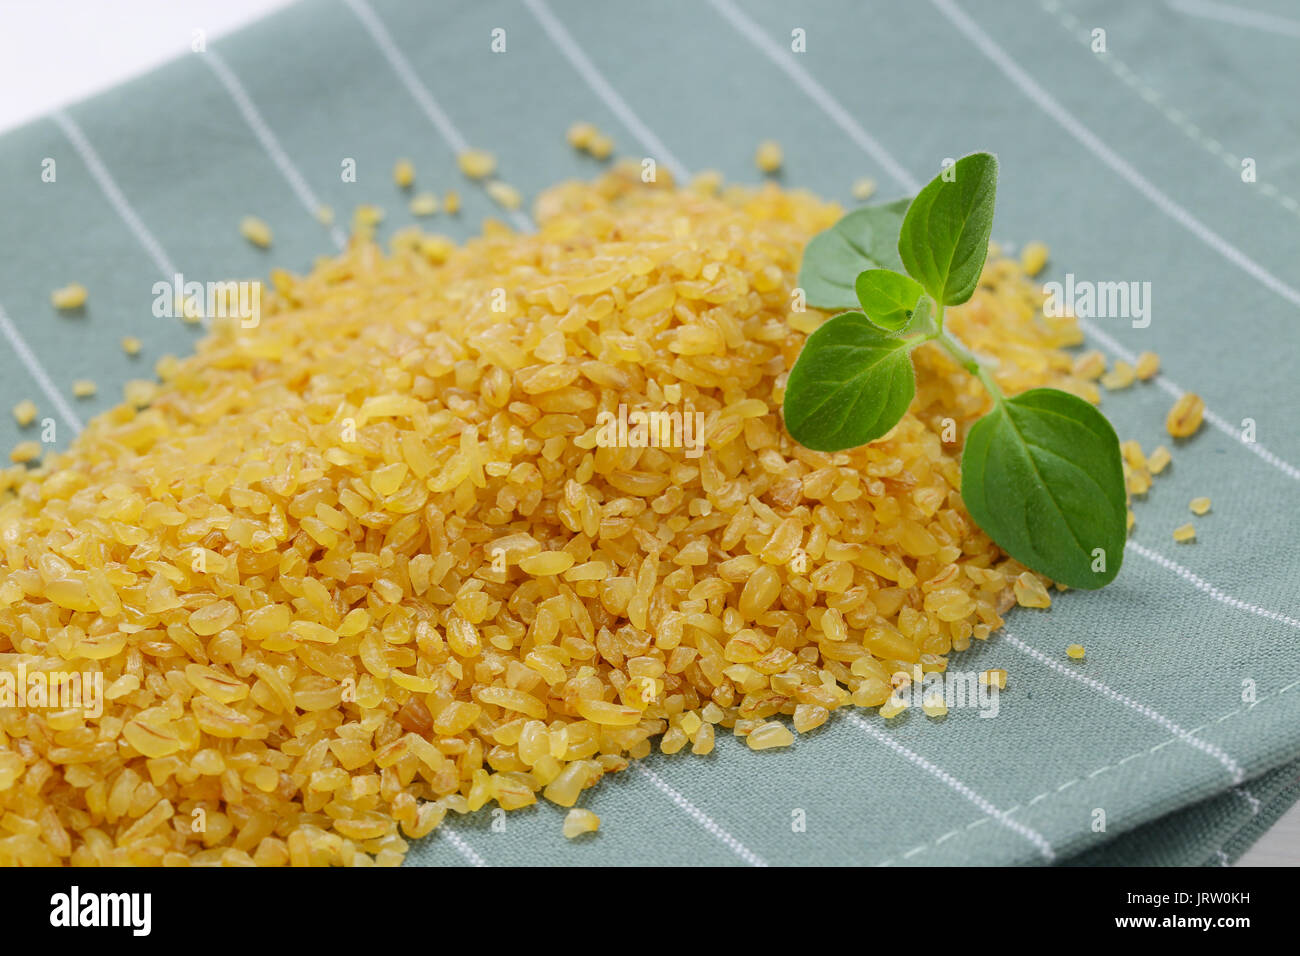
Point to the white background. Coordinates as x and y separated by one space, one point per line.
55 52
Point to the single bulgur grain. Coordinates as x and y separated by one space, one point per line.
1121 375
769 736
933 704
863 189
25 451
1148 366
1090 365
403 174
424 204
1033 257
579 821
1030 591
1199 506
83 388
255 231
1075 652
1185 533
505 195
1185 417
892 707
477 163
1159 460
325 215
994 677
451 202
25 412
69 297
580 135
131 345
600 147
769 156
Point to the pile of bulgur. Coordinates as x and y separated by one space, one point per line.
367 562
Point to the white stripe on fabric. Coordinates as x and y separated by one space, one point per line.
998 816
816 92
1090 141
268 140
700 817
420 93
1205 586
28 357
1212 750
1237 16
73 132
600 86
461 846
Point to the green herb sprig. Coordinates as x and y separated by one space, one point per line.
1041 472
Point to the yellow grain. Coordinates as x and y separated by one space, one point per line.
1159 460
403 174
579 821
71 296
580 135
1033 257
1185 417
451 202
1199 506
1075 652
83 388
769 156
424 204
131 345
1148 366
863 189
1185 533
255 231
477 163
25 412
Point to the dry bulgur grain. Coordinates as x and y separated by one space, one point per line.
451 202
255 231
1075 652
600 147
1185 416
69 297
424 204
579 821
131 345
580 135
83 388
1033 257
505 195
1121 375
25 412
1199 506
477 163
1159 460
864 189
769 156
1148 366
1185 533
403 174
25 451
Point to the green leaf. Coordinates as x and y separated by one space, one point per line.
889 298
1041 474
944 239
864 239
851 384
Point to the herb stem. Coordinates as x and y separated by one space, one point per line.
966 359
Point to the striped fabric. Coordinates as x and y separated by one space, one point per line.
1159 150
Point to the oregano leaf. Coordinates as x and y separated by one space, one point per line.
851 384
864 239
888 298
944 239
1041 474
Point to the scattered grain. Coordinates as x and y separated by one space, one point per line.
477 163
1185 417
69 297
255 231
1199 506
25 412
769 156
1185 533
1075 652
